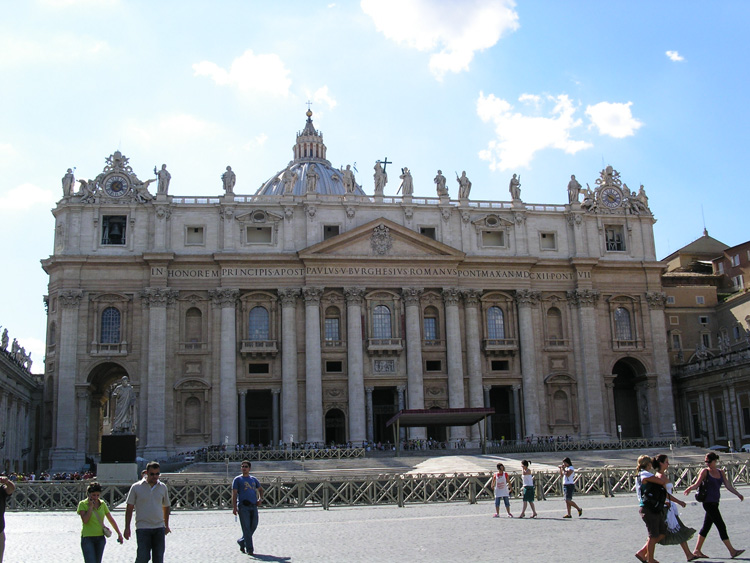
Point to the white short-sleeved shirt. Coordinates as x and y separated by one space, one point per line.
149 504
528 480
569 479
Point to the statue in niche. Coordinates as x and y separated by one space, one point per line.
312 180
381 178
68 182
407 183
228 180
122 421
574 189
288 178
349 181
164 177
464 186
515 187
439 180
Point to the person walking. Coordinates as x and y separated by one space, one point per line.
651 512
500 481
150 499
246 495
567 471
676 533
528 489
713 477
6 489
94 533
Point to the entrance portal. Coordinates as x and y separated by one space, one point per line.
503 422
626 399
384 406
335 427
259 409
102 381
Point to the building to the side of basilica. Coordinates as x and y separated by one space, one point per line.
312 312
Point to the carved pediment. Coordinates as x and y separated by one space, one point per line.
258 216
381 239
492 221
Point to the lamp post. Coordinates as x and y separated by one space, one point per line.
674 429
619 433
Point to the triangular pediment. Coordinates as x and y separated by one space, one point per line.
381 239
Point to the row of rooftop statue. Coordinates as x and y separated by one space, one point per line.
637 202
17 352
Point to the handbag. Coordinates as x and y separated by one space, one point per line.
107 532
702 493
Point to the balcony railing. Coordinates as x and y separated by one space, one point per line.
433 344
384 345
259 348
556 343
501 346
340 344
109 349
194 347
627 344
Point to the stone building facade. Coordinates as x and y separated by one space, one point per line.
312 311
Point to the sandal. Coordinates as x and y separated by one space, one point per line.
534 516
641 559
738 553
567 516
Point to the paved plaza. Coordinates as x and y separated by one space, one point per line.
610 530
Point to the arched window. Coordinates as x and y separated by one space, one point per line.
193 421
431 330
560 400
194 325
495 324
258 324
381 322
623 329
332 324
110 332
554 324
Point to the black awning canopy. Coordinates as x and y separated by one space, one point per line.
439 417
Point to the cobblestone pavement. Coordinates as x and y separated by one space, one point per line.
609 531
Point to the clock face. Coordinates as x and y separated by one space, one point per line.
611 197
116 185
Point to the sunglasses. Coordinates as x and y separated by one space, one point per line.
154 474
246 466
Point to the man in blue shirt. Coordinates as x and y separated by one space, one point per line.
246 495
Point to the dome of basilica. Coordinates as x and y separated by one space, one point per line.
309 172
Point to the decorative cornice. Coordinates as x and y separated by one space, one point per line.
411 295
70 298
354 295
312 295
158 296
656 300
583 297
528 297
288 296
224 296
451 295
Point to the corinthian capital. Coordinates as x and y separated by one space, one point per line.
312 295
70 298
224 296
583 297
471 296
528 297
354 295
656 299
288 296
158 296
411 295
451 295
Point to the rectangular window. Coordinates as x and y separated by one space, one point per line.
706 340
670 299
430 328
428 232
735 260
547 241
259 235
258 368
194 235
615 238
738 282
113 229
736 332
719 416
332 329
433 365
330 231
493 238
700 300
499 365
674 320
720 267
703 320
676 342
334 367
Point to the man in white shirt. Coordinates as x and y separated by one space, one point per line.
150 499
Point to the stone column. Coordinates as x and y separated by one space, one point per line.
453 347
355 361
486 393
275 415
162 213
518 411
590 380
242 397
401 406
64 456
370 418
289 389
415 383
527 300
473 353
227 213
156 300
665 415
83 404
226 300
313 375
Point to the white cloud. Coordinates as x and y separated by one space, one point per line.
322 96
19 51
171 129
26 196
450 31
519 137
675 56
257 141
613 119
263 73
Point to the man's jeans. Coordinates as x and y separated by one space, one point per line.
150 545
249 522
93 548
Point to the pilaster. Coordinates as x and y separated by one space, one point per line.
355 361
313 370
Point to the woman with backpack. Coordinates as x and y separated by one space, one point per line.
713 477
651 501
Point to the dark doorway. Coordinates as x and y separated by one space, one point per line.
626 400
439 433
384 406
503 422
102 381
335 427
259 417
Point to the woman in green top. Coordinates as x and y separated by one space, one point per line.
92 512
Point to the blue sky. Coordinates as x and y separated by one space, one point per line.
544 89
